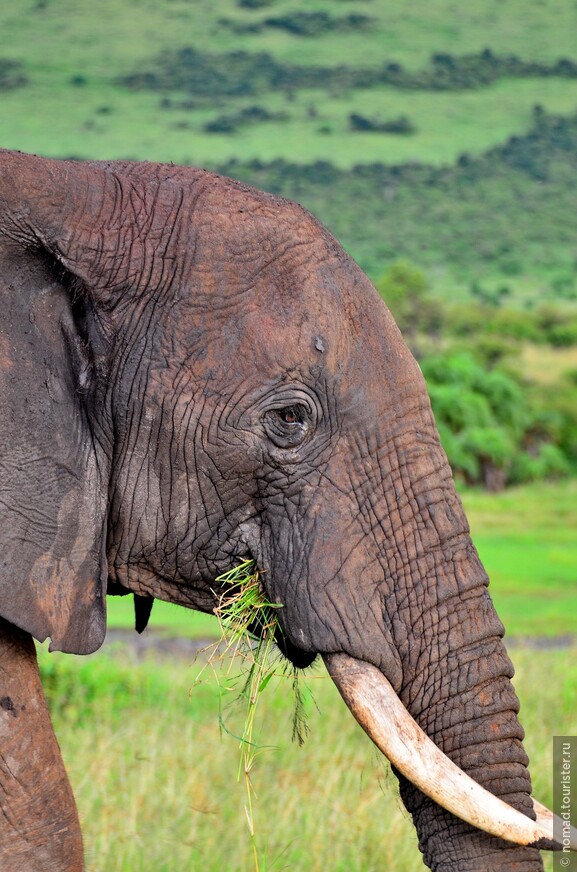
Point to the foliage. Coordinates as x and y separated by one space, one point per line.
253 4
307 24
180 69
548 461
405 290
401 125
493 430
248 115
11 75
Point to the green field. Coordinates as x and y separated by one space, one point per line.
499 219
156 780
526 539
101 119
95 45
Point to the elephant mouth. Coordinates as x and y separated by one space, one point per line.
375 705
299 658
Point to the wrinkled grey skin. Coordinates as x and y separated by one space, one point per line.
196 372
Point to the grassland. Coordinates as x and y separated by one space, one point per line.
59 44
526 539
156 781
508 226
96 121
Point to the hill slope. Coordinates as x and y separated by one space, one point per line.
392 123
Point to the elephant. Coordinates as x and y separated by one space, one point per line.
192 373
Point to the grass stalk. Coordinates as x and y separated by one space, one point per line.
248 623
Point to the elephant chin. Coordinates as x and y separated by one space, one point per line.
373 702
299 658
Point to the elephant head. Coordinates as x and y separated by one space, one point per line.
194 372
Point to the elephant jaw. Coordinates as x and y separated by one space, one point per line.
379 711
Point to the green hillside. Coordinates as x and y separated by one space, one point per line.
426 97
505 218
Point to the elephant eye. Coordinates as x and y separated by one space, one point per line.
288 426
291 415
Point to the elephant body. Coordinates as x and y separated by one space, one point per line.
194 372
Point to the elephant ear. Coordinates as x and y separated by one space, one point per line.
53 475
76 239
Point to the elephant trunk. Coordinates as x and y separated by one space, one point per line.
429 627
457 689
442 636
460 693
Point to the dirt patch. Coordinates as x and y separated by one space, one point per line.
154 644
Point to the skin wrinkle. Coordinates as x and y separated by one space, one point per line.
132 390
438 637
357 531
153 275
277 253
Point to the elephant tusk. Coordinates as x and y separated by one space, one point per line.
546 818
379 711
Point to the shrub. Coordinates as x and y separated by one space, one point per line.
405 290
401 125
494 430
11 75
563 335
248 115
253 4
548 462
315 23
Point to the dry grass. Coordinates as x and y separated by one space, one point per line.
546 365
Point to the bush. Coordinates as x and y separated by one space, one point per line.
405 290
11 75
315 23
563 335
495 431
242 118
222 124
253 4
401 125
548 462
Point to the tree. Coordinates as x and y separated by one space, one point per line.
493 431
405 290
